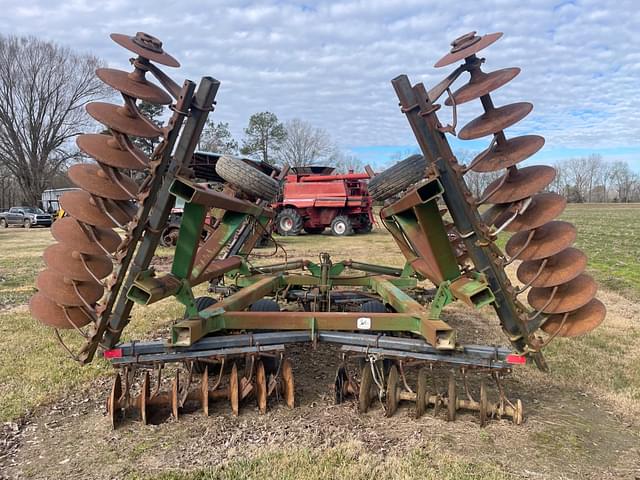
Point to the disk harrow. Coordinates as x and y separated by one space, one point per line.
232 348
232 378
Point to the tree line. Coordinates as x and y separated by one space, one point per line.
581 180
44 88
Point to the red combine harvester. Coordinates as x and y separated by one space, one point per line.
314 198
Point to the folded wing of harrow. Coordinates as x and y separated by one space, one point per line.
233 348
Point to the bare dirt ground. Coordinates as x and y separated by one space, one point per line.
568 433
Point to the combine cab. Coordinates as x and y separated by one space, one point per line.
315 198
390 323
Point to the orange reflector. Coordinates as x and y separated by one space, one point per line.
113 353
514 359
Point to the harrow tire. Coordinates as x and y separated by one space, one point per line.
364 395
289 222
421 393
201 304
397 178
246 178
265 305
391 398
341 226
373 306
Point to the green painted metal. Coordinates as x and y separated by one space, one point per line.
188 239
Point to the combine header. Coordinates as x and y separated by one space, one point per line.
233 348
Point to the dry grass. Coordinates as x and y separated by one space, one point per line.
348 460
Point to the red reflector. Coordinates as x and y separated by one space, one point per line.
113 353
516 359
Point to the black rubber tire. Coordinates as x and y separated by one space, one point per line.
398 177
265 305
289 215
27 223
373 306
201 304
341 226
365 226
314 230
246 178
3 223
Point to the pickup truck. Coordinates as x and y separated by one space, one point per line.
26 217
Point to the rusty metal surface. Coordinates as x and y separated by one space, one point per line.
507 153
482 83
106 150
578 322
64 259
147 46
519 184
64 291
564 298
134 84
543 208
68 230
120 118
53 315
555 270
465 46
82 206
95 180
495 120
549 239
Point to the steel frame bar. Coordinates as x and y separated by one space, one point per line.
465 355
421 114
115 314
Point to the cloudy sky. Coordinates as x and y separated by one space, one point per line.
331 62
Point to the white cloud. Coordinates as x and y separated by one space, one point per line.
331 63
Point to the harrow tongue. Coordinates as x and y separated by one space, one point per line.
231 349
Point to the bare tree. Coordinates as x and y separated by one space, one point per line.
216 137
43 88
625 181
346 163
304 144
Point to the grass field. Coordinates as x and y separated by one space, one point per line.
34 370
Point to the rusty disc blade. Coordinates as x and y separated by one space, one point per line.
68 230
543 208
117 118
509 153
495 120
519 184
61 290
482 83
146 46
66 260
568 297
94 179
549 239
560 268
99 147
80 205
579 322
455 56
128 84
49 313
